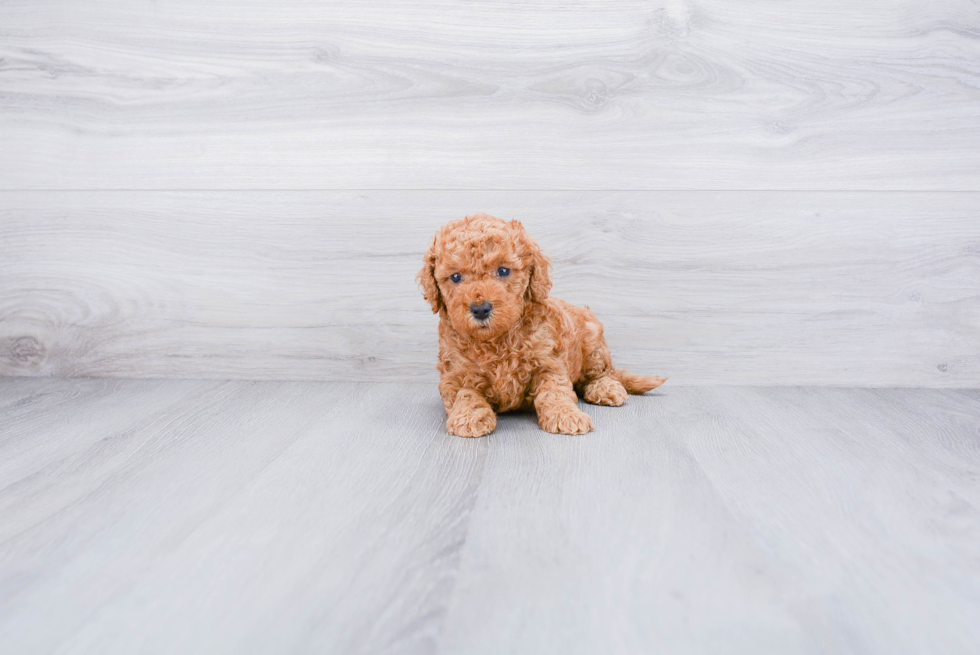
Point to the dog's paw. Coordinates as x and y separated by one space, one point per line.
565 420
472 422
605 391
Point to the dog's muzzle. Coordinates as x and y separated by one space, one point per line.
482 311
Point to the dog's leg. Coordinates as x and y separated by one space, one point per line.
600 382
471 415
554 400
605 390
597 384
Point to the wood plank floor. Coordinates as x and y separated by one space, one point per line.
191 516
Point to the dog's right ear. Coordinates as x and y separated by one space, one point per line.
427 279
539 283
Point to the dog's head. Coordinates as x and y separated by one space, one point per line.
482 272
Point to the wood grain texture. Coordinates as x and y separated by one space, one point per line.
630 94
730 520
872 289
160 516
274 517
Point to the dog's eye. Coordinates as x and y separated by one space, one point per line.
456 278
503 271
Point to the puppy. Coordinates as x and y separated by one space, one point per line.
503 343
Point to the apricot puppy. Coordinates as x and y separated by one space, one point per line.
503 343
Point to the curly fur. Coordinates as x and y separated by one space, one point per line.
532 351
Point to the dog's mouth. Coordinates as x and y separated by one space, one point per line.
482 327
482 322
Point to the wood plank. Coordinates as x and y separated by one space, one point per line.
615 542
872 289
883 512
94 409
199 517
248 517
730 520
589 95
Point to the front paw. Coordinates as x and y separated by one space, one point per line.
472 422
565 420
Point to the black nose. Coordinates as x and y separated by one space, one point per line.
482 311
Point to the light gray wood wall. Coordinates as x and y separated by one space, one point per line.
704 287
758 193
601 94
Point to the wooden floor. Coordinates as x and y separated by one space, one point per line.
276 517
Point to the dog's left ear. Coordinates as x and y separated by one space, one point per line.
427 279
537 263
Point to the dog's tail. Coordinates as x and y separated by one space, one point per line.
637 383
